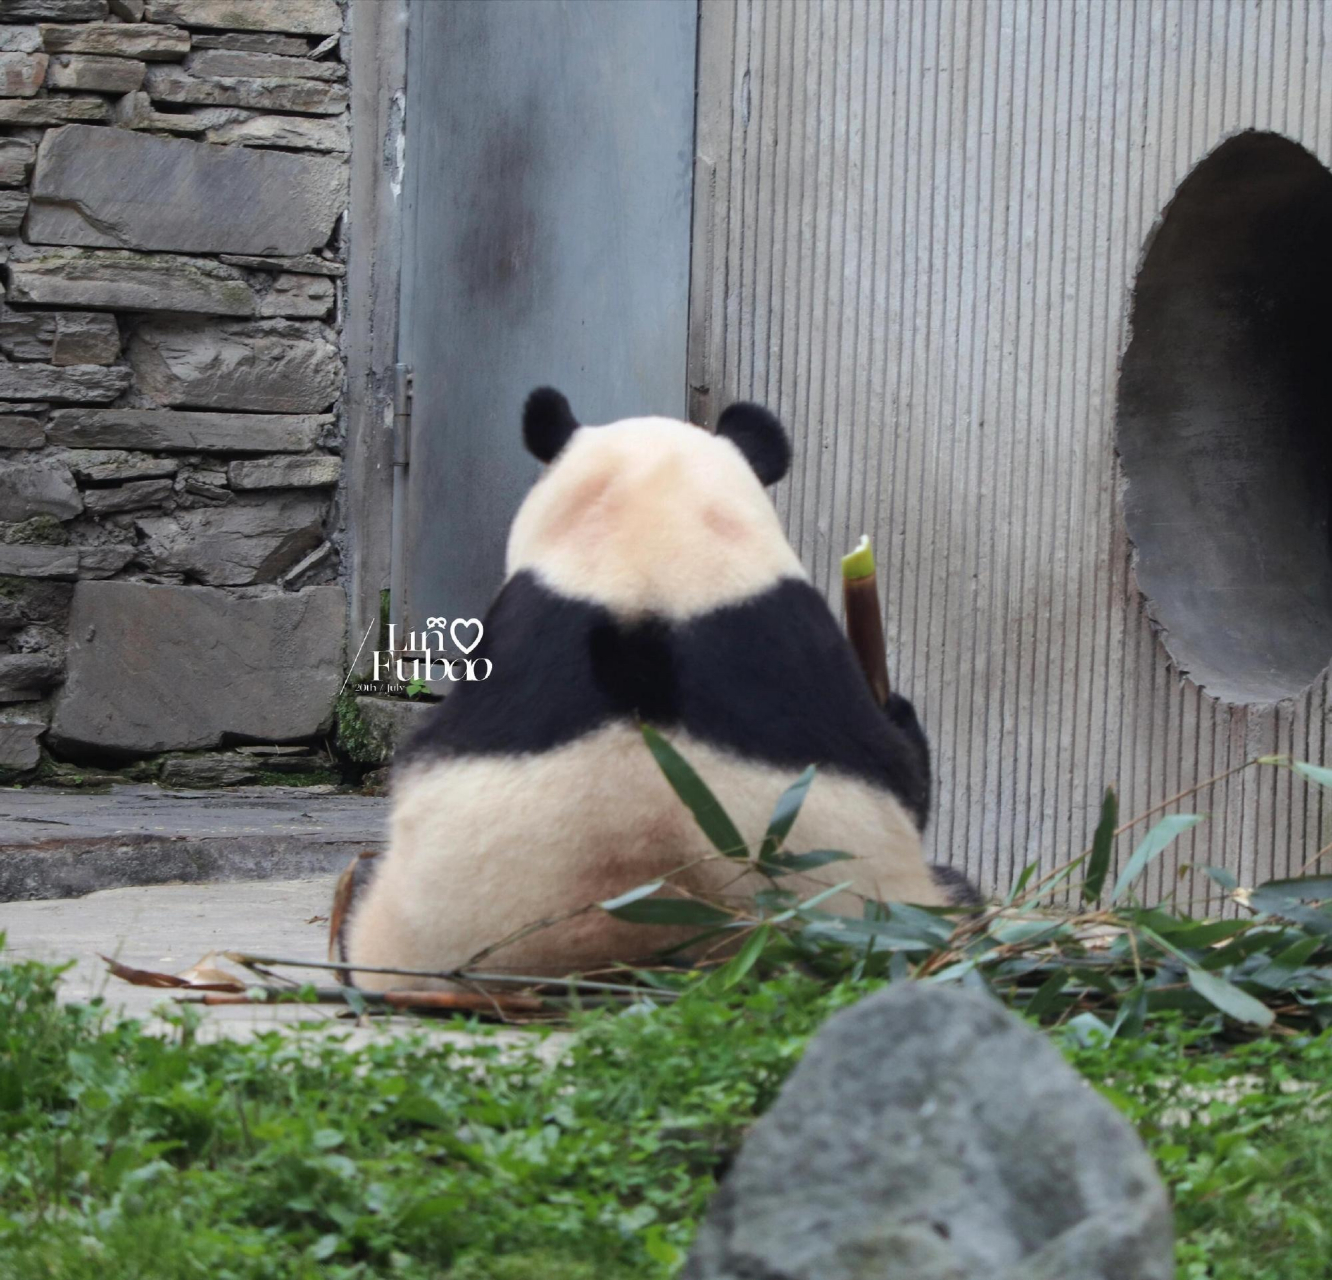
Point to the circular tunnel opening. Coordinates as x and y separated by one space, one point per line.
1225 421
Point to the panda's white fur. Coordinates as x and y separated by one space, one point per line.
653 518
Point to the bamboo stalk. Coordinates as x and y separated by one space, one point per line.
452 975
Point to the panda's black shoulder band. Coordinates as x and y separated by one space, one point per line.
756 432
548 422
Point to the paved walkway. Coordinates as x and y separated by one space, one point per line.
57 843
168 928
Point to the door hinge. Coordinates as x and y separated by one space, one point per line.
402 414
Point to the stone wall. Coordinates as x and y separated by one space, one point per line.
173 180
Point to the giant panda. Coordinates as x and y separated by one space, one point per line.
647 580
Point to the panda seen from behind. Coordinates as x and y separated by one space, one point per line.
647 580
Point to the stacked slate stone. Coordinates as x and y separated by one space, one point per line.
173 177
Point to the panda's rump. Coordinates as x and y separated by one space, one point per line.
483 847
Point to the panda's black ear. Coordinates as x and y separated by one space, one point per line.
760 437
548 422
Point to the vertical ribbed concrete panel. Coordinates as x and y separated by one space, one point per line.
917 229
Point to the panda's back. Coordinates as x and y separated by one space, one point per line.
532 794
769 680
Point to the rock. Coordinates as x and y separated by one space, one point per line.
186 432
929 1133
26 40
308 764
184 196
300 17
52 10
112 466
11 617
236 62
151 43
129 281
250 540
210 769
19 751
304 133
387 723
310 297
27 335
133 496
13 205
320 566
80 383
22 74
24 677
135 111
101 75
38 488
130 10
16 157
85 337
61 337
170 84
309 471
253 42
306 264
197 492
17 432
50 110
33 561
102 562
265 668
41 528
276 366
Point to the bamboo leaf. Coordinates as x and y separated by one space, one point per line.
1226 879
1227 997
744 960
706 808
1154 843
814 901
671 911
1313 773
784 814
1301 888
643 891
1277 898
1020 883
781 864
1040 1003
1102 842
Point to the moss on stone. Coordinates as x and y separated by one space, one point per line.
43 529
355 738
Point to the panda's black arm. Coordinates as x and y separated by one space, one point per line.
902 714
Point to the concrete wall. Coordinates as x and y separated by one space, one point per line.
918 231
173 180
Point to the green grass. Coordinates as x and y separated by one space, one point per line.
125 1155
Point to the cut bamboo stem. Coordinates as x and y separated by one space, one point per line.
864 620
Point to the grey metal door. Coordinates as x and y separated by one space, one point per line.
547 227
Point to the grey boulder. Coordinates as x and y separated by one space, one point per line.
159 668
931 1135
267 366
251 540
118 189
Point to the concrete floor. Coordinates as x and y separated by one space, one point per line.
168 928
